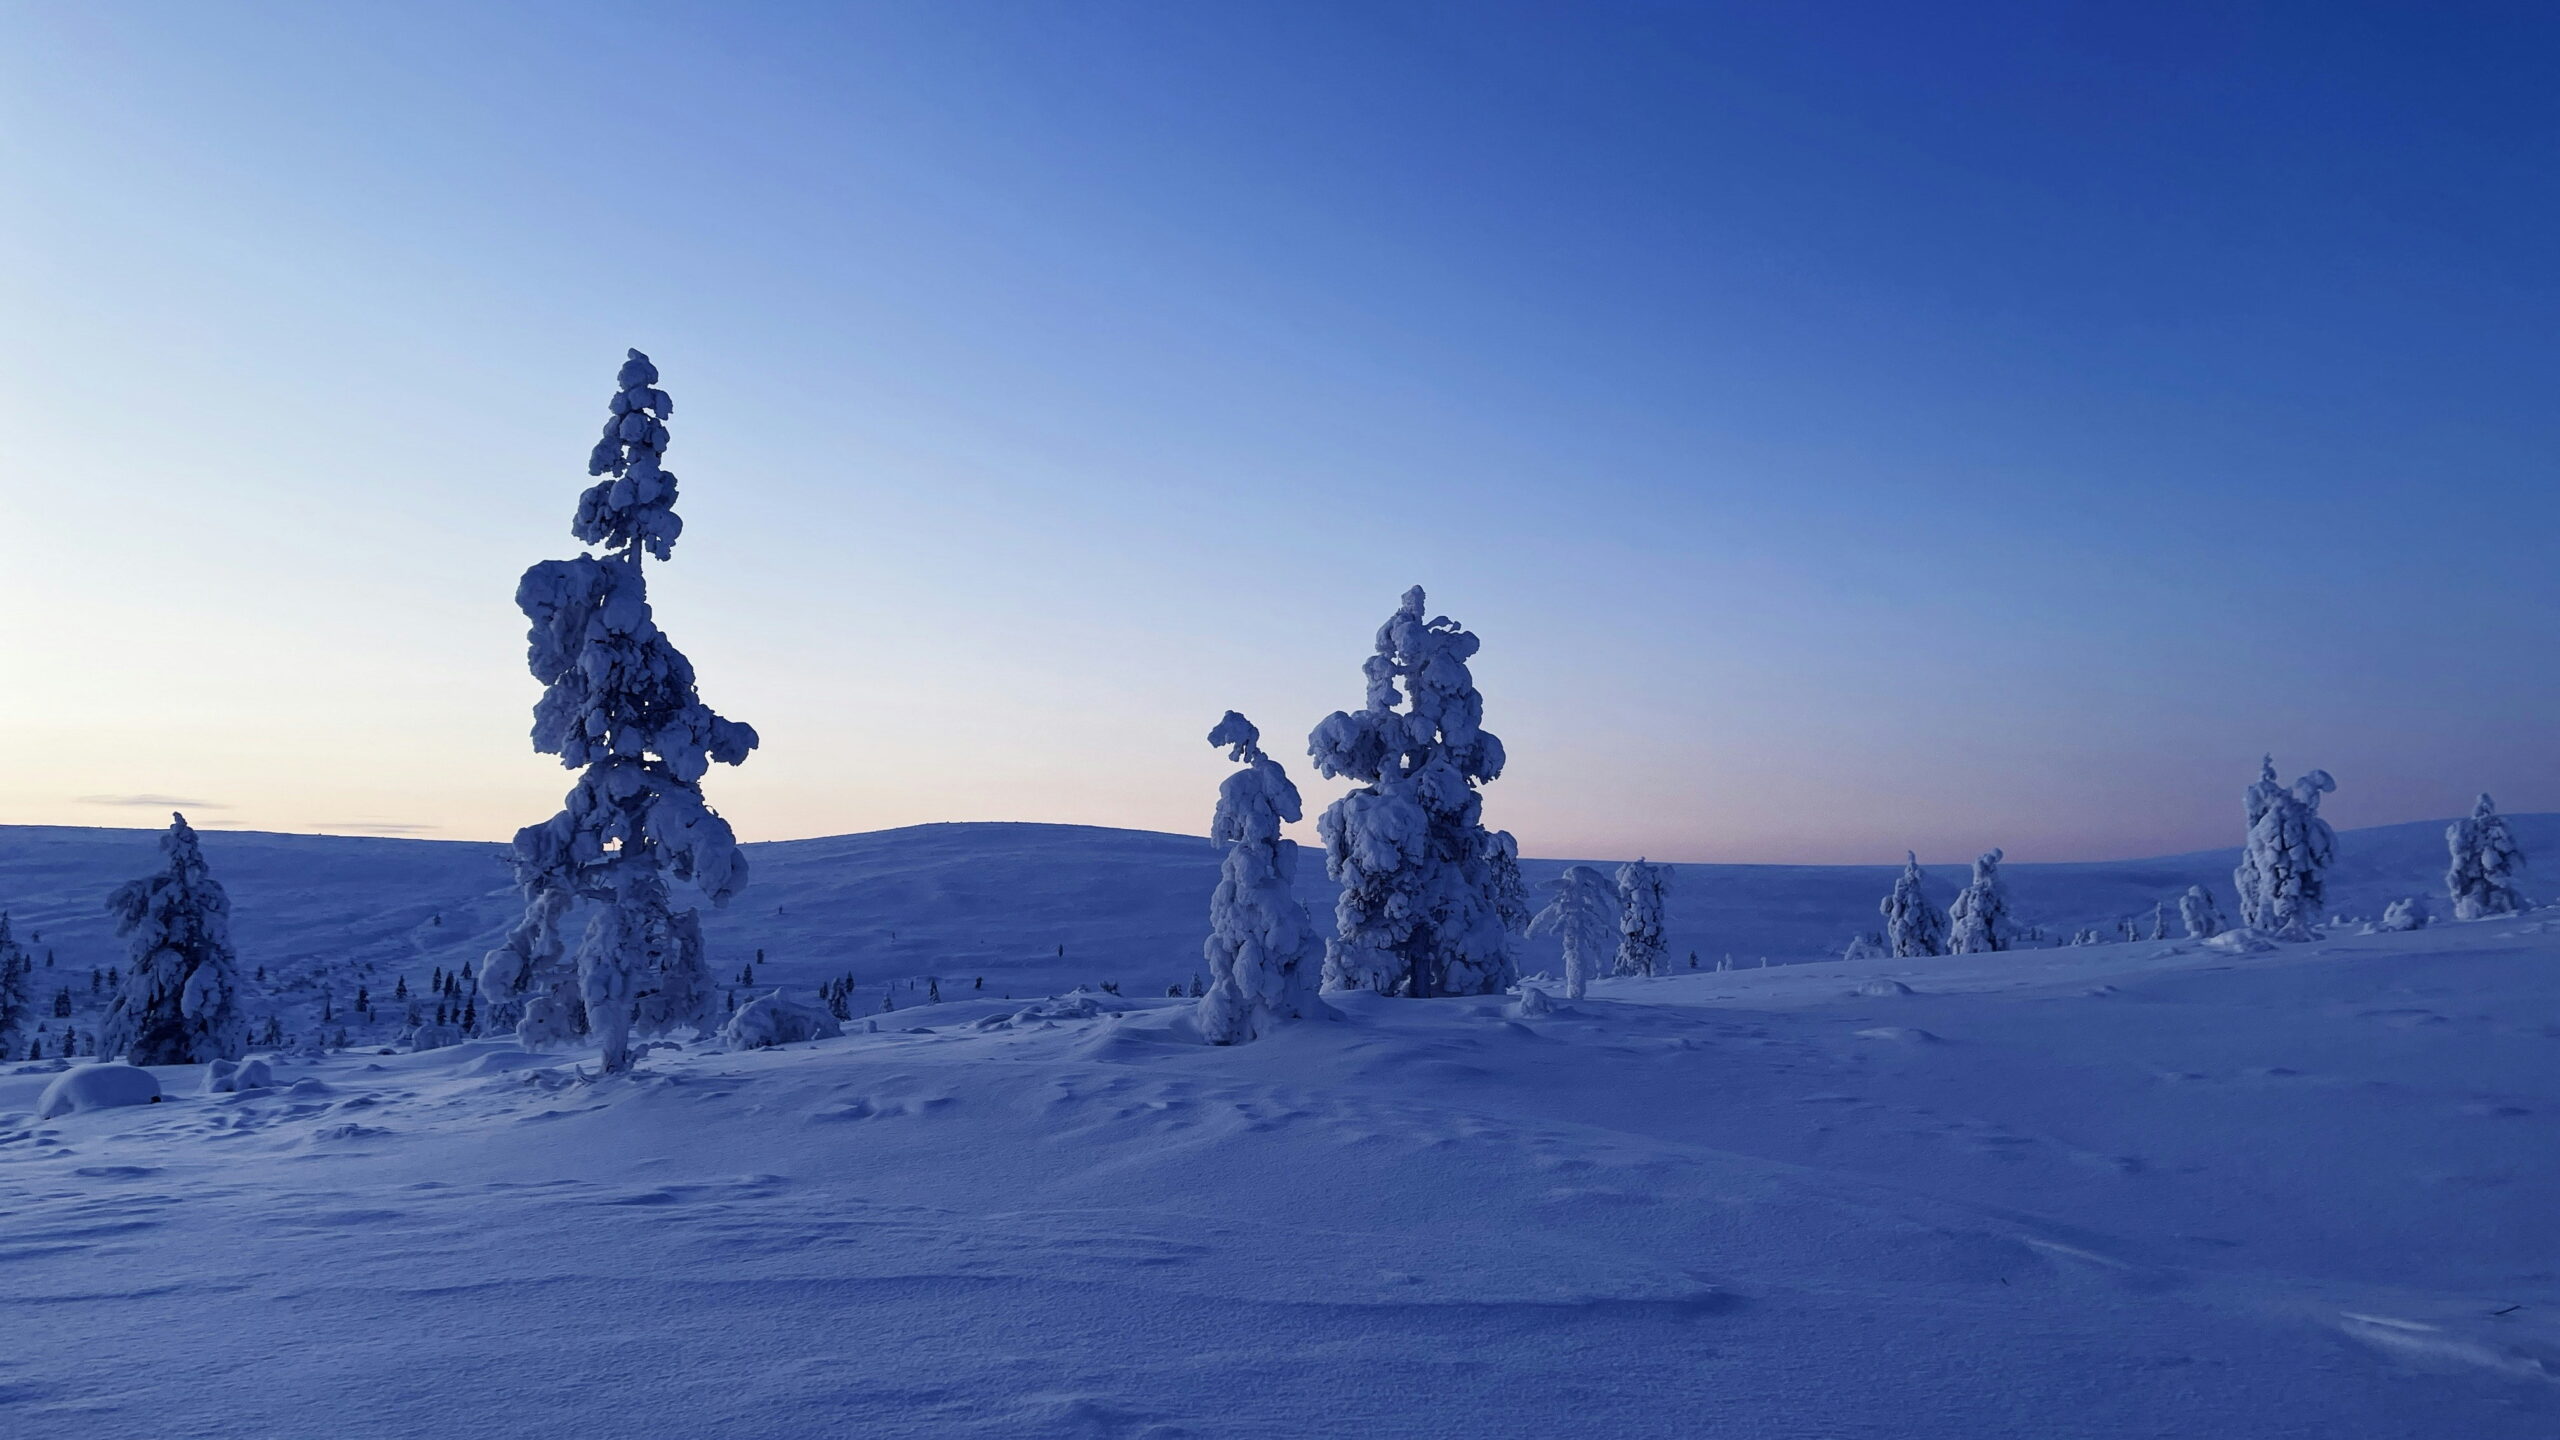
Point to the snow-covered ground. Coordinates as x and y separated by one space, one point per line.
2131 1190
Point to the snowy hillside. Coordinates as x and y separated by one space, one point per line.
994 900
2132 1190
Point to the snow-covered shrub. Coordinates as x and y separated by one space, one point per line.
2199 914
1913 923
1584 915
619 703
1870 946
1641 891
1262 949
180 1001
1979 920
2406 914
2485 859
17 998
2282 875
430 1036
1419 914
1532 1003
2240 941
97 1087
770 1020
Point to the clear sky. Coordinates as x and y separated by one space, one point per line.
1849 427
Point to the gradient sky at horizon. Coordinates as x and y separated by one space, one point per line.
1849 428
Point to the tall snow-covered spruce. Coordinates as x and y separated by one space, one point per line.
1584 915
2283 874
2485 859
1913 923
1419 913
2247 879
180 1001
619 705
1979 921
1642 889
1262 950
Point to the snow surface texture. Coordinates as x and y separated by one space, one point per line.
2114 1192
1421 911
619 704
1262 949
1584 919
180 1002
2486 861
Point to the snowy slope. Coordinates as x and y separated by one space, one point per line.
2135 1190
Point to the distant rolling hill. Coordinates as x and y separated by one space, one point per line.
1000 900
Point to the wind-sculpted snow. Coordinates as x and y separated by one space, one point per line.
2112 1192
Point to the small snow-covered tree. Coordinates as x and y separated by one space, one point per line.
619 704
1262 949
1913 923
2197 910
180 1001
2485 858
1419 913
17 999
1584 915
1979 920
1642 888
2290 849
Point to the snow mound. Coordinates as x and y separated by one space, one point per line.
2243 941
230 1077
770 1020
1897 1034
1883 987
1532 1003
97 1087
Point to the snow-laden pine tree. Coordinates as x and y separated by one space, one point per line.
2290 849
2247 880
1979 920
1262 950
1913 923
1510 892
2201 916
1642 888
180 1001
1419 914
17 998
619 705
1584 915
2485 860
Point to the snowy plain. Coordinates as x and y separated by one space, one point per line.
2140 1189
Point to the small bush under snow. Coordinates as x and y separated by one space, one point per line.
97 1087
770 1020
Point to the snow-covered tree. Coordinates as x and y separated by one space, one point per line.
2197 910
1584 915
2399 915
2486 857
1642 889
1262 950
1979 920
17 999
1510 892
1913 923
1419 914
2159 919
2248 880
619 705
180 1002
2282 874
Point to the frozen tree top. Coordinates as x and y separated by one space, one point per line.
635 504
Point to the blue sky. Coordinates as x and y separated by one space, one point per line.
1849 427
